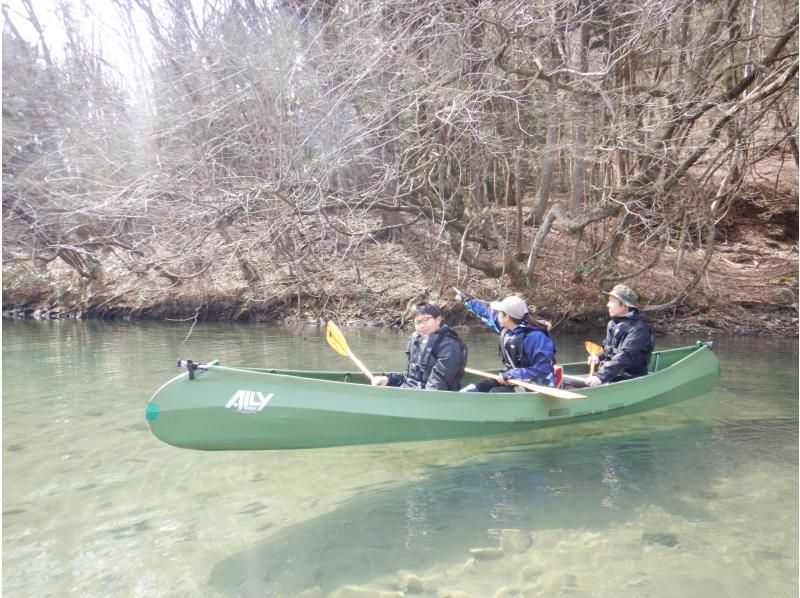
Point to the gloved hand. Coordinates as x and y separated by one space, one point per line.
461 296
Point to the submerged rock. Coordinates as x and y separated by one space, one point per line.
514 541
486 554
669 540
359 592
412 584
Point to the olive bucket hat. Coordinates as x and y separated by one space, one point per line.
625 294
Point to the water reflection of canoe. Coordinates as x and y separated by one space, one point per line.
427 521
226 408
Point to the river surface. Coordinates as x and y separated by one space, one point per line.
696 499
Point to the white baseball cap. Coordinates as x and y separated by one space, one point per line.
513 306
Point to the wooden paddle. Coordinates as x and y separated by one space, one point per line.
338 343
545 391
592 349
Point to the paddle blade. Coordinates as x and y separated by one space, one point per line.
593 348
336 339
337 342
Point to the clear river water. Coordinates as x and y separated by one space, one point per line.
696 499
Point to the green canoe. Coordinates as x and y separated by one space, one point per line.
211 407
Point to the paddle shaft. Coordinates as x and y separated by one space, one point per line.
360 365
546 391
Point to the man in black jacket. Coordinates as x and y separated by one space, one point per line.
629 340
436 356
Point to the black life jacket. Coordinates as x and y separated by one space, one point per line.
512 346
419 369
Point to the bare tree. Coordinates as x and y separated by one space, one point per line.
280 131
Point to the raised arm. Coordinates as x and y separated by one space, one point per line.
484 312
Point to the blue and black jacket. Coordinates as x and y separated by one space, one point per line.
526 350
627 348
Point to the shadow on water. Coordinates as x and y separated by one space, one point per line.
589 483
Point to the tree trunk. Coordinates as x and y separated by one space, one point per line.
580 117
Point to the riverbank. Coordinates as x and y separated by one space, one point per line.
749 287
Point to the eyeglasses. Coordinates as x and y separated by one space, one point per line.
423 321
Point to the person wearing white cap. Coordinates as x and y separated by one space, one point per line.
628 344
526 349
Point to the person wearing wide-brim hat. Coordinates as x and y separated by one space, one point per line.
526 349
628 343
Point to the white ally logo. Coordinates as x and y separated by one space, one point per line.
250 401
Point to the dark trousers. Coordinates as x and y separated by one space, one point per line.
573 382
492 386
580 381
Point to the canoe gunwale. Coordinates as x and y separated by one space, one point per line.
349 376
